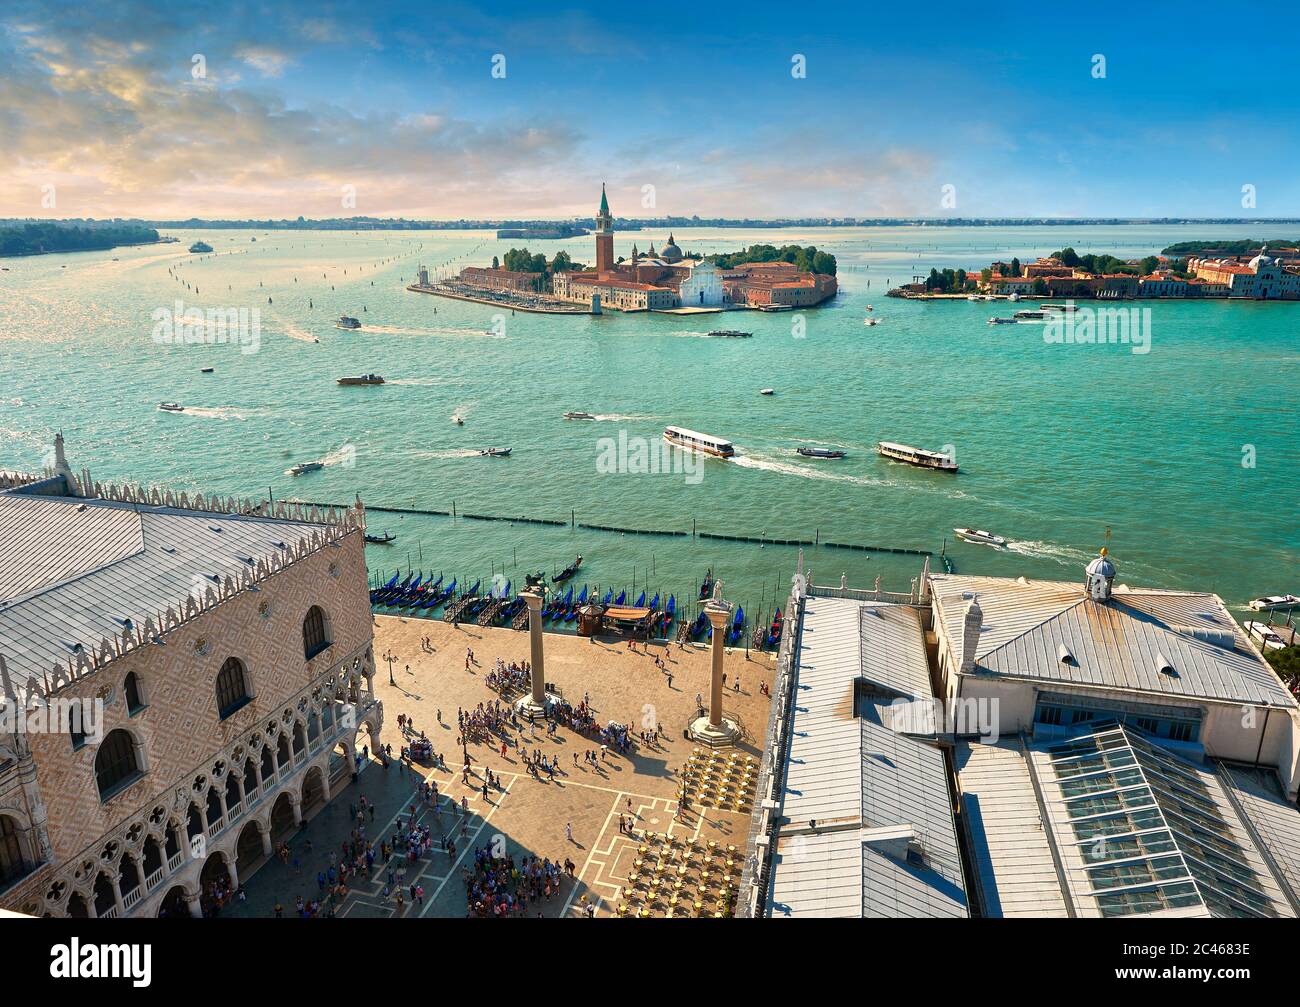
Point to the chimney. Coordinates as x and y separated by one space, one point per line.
970 635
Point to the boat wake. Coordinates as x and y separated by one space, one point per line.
805 471
622 417
1065 555
443 331
293 331
449 453
214 412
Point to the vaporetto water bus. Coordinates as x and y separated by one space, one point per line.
693 440
916 456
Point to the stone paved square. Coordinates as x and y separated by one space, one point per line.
528 816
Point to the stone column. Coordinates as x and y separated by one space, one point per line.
192 901
535 703
715 730
267 850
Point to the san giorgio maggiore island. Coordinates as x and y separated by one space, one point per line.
667 280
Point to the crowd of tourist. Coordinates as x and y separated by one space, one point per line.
498 887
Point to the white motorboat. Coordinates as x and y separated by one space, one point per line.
1273 602
347 322
171 407
767 391
302 467
1002 321
979 536
578 414
496 452
1266 636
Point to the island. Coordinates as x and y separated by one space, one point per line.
46 237
1243 269
761 277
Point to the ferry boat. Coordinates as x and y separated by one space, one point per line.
1273 602
1266 636
979 536
200 246
916 456
362 379
578 414
819 453
693 440
171 407
731 333
303 467
347 322
1030 316
1060 307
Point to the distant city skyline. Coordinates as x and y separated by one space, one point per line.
127 109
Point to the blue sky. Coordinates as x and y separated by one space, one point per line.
398 102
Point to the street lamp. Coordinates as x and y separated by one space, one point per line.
390 658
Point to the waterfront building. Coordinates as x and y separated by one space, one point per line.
1262 277
228 647
486 278
1095 750
1162 283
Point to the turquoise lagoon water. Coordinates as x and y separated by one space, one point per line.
1056 443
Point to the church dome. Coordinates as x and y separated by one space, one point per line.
670 252
1262 259
1101 567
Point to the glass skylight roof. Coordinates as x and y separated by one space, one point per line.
1149 829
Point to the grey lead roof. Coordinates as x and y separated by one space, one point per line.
71 569
1122 644
870 789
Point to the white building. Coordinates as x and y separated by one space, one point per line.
702 286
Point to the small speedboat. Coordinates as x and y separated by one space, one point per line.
1002 321
303 467
767 391
171 407
458 421
730 334
361 379
1273 602
578 414
206 370
495 452
979 536
819 453
871 321
347 322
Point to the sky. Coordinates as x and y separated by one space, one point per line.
522 110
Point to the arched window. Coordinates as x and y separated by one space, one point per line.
12 865
134 694
232 687
314 638
116 764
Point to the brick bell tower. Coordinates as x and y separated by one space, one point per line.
604 236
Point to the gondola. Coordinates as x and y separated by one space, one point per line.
622 597
774 632
572 613
640 602
567 572
699 625
706 589
447 592
737 625
383 539
379 592
608 596
670 612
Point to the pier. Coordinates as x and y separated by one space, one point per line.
537 305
